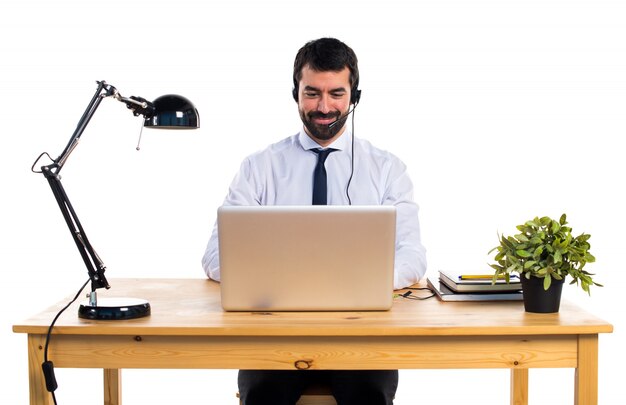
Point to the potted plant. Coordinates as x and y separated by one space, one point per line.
544 253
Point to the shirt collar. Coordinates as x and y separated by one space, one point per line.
340 143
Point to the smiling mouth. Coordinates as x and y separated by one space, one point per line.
323 119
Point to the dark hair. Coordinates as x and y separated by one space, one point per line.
323 55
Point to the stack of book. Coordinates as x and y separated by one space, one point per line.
454 286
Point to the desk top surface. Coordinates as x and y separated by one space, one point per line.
191 307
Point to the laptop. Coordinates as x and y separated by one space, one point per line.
306 258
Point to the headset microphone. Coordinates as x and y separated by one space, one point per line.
335 122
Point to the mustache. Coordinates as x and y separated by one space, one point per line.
317 114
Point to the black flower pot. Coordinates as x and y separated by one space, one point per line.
536 299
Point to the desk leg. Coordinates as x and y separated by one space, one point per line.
586 377
519 386
37 384
112 386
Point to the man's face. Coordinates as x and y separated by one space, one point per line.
323 97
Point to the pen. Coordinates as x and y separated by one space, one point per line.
482 277
476 277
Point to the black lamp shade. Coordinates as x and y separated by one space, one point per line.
173 112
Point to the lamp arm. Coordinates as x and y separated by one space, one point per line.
104 90
95 266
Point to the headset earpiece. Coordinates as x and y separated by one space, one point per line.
355 96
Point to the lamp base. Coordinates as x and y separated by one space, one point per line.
115 309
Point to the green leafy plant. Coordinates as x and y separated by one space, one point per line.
545 248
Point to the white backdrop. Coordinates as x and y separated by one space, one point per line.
503 110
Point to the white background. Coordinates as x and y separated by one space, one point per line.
502 110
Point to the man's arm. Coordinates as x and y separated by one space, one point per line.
242 191
410 260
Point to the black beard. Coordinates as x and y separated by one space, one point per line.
322 132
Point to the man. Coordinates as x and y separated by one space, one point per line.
326 78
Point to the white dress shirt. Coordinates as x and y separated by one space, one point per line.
282 174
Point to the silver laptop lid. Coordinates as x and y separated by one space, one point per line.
306 258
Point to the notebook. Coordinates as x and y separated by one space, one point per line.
475 282
306 258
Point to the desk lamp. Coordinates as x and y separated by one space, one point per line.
168 112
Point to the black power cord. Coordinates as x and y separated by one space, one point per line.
409 294
48 366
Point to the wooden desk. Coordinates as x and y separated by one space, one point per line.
188 329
